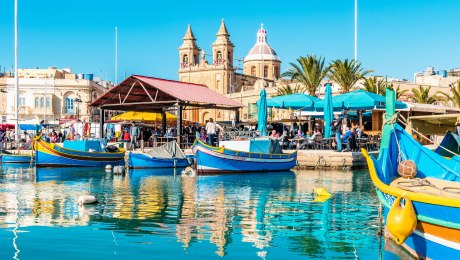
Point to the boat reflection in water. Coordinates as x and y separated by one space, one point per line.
243 215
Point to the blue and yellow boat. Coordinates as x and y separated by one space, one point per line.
15 158
429 225
242 156
88 153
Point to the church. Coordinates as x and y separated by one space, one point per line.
261 67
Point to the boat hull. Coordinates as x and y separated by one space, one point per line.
429 240
139 161
50 155
211 160
16 158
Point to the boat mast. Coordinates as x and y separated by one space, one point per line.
16 76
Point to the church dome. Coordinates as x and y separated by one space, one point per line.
261 50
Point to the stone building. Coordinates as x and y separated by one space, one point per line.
261 67
51 95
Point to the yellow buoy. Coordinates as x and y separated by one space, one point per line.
321 192
401 221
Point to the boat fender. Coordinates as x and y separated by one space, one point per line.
88 199
407 169
108 168
401 220
188 172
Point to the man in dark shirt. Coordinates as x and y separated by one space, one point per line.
337 129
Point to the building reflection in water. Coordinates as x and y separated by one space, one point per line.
255 208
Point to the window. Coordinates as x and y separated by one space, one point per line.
48 102
276 72
265 71
253 71
22 101
185 59
195 59
69 106
37 102
219 55
42 102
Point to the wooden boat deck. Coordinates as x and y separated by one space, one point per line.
432 186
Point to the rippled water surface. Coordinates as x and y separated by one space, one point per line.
157 213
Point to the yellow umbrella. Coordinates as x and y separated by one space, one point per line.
143 116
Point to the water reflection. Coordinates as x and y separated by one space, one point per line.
255 215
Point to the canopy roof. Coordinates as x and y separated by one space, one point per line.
358 100
433 124
143 116
298 101
142 93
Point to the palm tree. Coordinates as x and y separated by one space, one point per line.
346 73
398 91
374 85
422 95
455 98
309 71
287 90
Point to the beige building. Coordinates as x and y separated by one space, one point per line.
51 95
261 67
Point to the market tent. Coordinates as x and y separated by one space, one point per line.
298 101
143 116
357 100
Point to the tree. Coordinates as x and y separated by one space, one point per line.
398 91
374 85
422 95
309 71
346 73
455 90
287 90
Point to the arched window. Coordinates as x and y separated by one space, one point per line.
37 102
229 56
195 59
219 56
253 71
276 72
42 102
185 59
265 71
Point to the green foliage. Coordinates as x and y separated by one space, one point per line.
422 95
374 85
346 73
398 91
287 90
309 71
455 90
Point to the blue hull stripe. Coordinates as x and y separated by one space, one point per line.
144 161
45 159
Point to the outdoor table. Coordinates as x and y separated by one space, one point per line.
298 139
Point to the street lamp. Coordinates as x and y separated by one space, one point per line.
78 101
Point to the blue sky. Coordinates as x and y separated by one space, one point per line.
396 38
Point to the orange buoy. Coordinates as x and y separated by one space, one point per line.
401 220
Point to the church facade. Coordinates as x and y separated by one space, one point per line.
261 68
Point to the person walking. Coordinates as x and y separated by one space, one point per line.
337 128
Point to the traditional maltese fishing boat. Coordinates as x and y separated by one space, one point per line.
88 153
427 224
168 155
242 156
15 158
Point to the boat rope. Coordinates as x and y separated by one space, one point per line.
428 139
426 183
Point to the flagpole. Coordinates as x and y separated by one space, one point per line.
356 30
116 55
16 76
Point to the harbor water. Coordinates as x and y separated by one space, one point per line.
148 214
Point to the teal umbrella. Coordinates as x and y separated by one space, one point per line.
328 111
297 101
358 100
262 113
